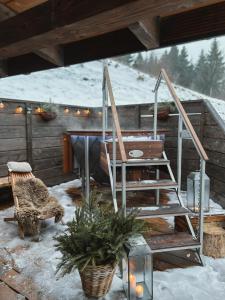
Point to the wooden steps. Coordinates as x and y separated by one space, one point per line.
171 210
175 259
147 185
172 242
144 162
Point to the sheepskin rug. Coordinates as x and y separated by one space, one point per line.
34 201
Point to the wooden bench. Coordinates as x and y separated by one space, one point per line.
4 182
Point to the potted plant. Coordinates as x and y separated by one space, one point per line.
164 109
94 244
49 111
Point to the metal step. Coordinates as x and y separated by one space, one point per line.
171 210
147 185
172 242
144 162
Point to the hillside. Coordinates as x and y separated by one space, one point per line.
82 85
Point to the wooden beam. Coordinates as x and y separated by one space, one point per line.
51 54
54 55
3 68
198 24
69 21
147 32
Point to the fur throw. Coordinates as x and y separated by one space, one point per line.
34 201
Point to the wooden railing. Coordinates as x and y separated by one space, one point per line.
183 114
115 116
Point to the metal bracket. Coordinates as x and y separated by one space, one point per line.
185 135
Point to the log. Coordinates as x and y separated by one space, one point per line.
214 241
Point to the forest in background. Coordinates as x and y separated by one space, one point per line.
206 76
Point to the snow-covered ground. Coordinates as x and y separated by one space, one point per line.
39 261
82 85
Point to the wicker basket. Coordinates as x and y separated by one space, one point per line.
48 116
97 280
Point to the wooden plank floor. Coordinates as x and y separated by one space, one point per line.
13 284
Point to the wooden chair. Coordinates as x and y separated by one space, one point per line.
14 177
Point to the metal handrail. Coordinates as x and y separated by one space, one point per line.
184 116
115 116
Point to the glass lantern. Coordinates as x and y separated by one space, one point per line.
193 192
137 270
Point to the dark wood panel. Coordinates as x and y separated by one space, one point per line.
46 153
214 132
12 119
47 142
14 155
47 132
215 171
217 145
47 163
12 132
13 144
196 24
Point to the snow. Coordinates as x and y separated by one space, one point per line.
39 261
81 85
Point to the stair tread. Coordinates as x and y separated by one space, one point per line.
148 184
144 161
167 210
174 240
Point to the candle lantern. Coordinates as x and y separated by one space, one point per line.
137 270
193 192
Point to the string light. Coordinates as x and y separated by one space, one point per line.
19 109
78 112
38 109
2 105
66 110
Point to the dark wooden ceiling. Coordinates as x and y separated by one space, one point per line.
39 34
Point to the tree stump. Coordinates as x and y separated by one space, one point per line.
214 241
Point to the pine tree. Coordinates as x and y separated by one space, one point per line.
184 69
216 70
172 66
201 74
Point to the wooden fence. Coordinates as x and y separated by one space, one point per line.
25 136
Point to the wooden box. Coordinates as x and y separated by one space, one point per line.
138 149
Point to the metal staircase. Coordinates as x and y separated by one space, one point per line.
162 243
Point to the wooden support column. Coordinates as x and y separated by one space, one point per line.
147 32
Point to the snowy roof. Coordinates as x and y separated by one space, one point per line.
81 85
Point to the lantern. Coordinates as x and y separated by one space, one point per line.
137 270
193 192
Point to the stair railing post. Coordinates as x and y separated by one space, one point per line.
155 114
124 187
179 153
87 174
201 198
114 167
104 104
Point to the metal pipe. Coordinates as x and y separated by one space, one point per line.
114 168
179 153
124 187
87 175
157 191
171 115
155 114
202 195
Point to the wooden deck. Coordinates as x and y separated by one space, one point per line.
13 284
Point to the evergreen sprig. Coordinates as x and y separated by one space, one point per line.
95 237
